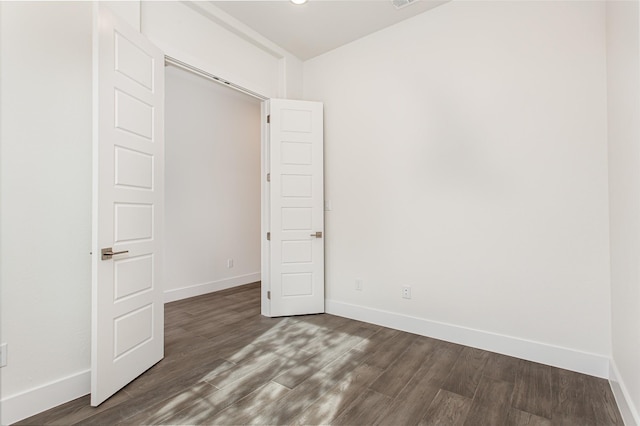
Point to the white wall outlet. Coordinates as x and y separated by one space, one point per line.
406 292
359 284
3 355
229 263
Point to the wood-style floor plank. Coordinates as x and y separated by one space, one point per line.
333 403
465 374
348 338
207 407
521 418
501 367
412 403
285 410
569 403
226 364
533 389
491 403
396 376
364 410
447 408
252 403
389 351
600 400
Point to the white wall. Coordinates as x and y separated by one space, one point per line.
183 33
45 183
45 194
465 156
212 174
623 82
129 11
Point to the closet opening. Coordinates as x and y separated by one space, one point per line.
212 183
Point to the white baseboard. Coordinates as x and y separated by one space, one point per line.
627 408
556 356
200 289
33 401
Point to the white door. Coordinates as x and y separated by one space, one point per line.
127 299
295 208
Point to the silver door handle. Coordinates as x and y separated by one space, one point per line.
317 234
108 252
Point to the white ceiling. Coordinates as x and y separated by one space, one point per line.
319 26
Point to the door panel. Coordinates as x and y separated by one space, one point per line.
296 255
127 301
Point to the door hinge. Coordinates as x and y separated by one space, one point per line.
268 236
269 295
268 177
268 118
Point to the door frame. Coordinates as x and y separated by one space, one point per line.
265 214
265 284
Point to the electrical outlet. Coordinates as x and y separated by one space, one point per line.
406 292
3 355
229 263
359 284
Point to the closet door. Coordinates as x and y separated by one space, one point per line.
296 215
127 300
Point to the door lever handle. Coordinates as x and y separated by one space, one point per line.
317 234
108 252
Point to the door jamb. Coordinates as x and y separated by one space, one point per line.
265 253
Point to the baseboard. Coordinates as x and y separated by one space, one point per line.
569 359
200 289
33 401
627 408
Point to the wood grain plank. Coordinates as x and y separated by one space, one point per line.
336 347
388 351
329 337
398 374
447 408
412 403
164 410
293 334
569 402
252 403
521 418
164 372
501 367
465 374
326 321
291 405
331 404
205 407
491 403
533 389
376 341
602 404
249 364
364 410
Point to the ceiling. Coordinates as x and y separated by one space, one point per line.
319 26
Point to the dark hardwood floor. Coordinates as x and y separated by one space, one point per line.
226 364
